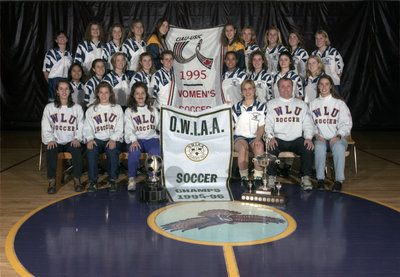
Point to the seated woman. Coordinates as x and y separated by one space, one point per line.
333 120
62 125
249 121
104 132
141 123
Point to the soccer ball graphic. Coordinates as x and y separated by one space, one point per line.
154 164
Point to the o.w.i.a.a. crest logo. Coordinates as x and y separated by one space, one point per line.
196 151
178 52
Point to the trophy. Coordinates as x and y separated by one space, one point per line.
264 194
153 191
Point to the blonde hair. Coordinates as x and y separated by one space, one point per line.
279 42
253 39
114 59
117 25
325 35
321 67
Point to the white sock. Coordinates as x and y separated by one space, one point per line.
244 173
258 173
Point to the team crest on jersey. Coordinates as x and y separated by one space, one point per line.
196 151
255 116
178 53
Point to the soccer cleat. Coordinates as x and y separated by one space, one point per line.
337 186
92 187
132 184
113 186
244 183
52 186
320 185
77 185
271 182
306 183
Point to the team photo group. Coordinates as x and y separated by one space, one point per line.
107 95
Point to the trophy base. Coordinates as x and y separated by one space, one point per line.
153 193
261 196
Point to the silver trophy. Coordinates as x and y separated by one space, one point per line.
153 190
265 195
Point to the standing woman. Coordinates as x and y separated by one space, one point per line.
258 67
75 78
56 62
249 122
104 132
331 58
91 48
156 43
62 126
134 46
249 40
286 70
300 56
273 48
333 121
231 42
144 71
96 75
315 69
232 79
163 81
118 79
141 123
116 36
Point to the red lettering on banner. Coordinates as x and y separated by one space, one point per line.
196 93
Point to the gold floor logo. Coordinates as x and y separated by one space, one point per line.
196 151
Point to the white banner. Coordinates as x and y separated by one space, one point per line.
197 67
197 151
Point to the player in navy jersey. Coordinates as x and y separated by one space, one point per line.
104 132
232 79
315 69
96 75
231 42
249 40
333 121
258 68
331 58
62 125
56 62
75 78
116 36
144 71
156 43
300 56
249 121
286 70
134 46
118 79
91 47
141 124
273 48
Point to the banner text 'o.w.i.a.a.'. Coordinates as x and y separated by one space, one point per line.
197 68
197 152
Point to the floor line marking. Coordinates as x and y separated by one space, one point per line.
230 261
377 156
18 163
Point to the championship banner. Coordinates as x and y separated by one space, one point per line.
197 67
197 151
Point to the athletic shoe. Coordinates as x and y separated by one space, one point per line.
257 182
244 183
306 183
320 185
337 186
52 186
92 187
132 184
271 182
113 186
77 185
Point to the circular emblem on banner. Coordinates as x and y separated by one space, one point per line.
196 151
220 223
